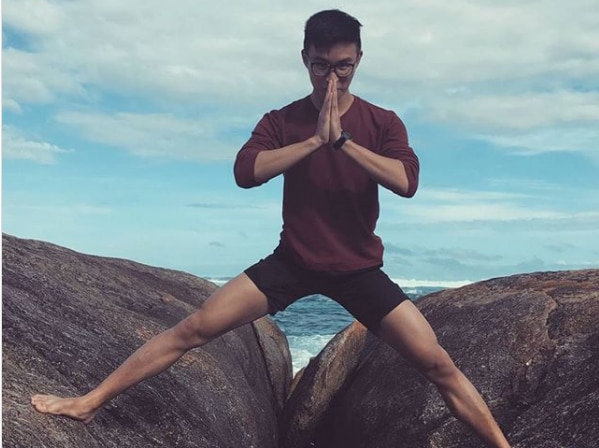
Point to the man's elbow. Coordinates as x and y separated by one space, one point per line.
407 190
411 190
412 179
244 175
242 183
246 181
405 193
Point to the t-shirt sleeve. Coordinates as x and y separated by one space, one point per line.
265 136
395 145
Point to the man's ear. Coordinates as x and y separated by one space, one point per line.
359 57
305 58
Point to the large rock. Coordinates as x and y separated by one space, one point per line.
69 319
319 384
529 343
275 350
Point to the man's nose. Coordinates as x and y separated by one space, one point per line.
332 75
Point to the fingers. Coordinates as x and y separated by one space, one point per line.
335 126
335 105
328 100
323 129
329 124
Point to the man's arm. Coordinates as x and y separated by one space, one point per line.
269 163
389 172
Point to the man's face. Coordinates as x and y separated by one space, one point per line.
338 55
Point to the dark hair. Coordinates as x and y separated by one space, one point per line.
327 28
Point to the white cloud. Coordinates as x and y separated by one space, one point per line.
437 206
11 105
187 48
152 135
513 73
527 123
519 112
30 78
479 212
579 139
453 43
461 196
22 78
183 53
17 145
509 72
38 17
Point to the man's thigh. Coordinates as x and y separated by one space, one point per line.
407 331
280 281
369 296
236 303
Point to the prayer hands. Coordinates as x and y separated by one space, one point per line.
328 129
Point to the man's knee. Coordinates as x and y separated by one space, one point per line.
438 365
197 329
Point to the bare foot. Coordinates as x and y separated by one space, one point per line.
75 408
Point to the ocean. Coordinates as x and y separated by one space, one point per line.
311 322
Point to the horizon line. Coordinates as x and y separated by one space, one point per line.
402 282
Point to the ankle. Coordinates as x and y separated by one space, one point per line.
92 401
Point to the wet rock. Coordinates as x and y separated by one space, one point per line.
70 319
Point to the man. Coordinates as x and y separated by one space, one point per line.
334 149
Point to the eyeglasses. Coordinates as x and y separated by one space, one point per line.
342 70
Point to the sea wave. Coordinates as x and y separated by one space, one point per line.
304 348
403 282
441 284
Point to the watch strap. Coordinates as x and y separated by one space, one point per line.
345 136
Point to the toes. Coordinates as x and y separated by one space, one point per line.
50 404
38 405
40 402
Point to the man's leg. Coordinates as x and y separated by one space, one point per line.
236 303
406 330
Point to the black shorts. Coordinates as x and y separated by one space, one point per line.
369 295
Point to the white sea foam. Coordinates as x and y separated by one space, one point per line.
403 282
218 281
303 348
413 283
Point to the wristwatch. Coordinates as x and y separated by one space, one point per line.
345 136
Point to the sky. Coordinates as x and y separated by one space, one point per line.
121 121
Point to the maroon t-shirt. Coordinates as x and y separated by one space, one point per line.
330 203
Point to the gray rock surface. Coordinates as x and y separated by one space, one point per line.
529 343
69 319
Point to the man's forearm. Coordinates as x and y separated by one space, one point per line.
390 173
271 163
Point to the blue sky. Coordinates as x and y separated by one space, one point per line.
121 121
